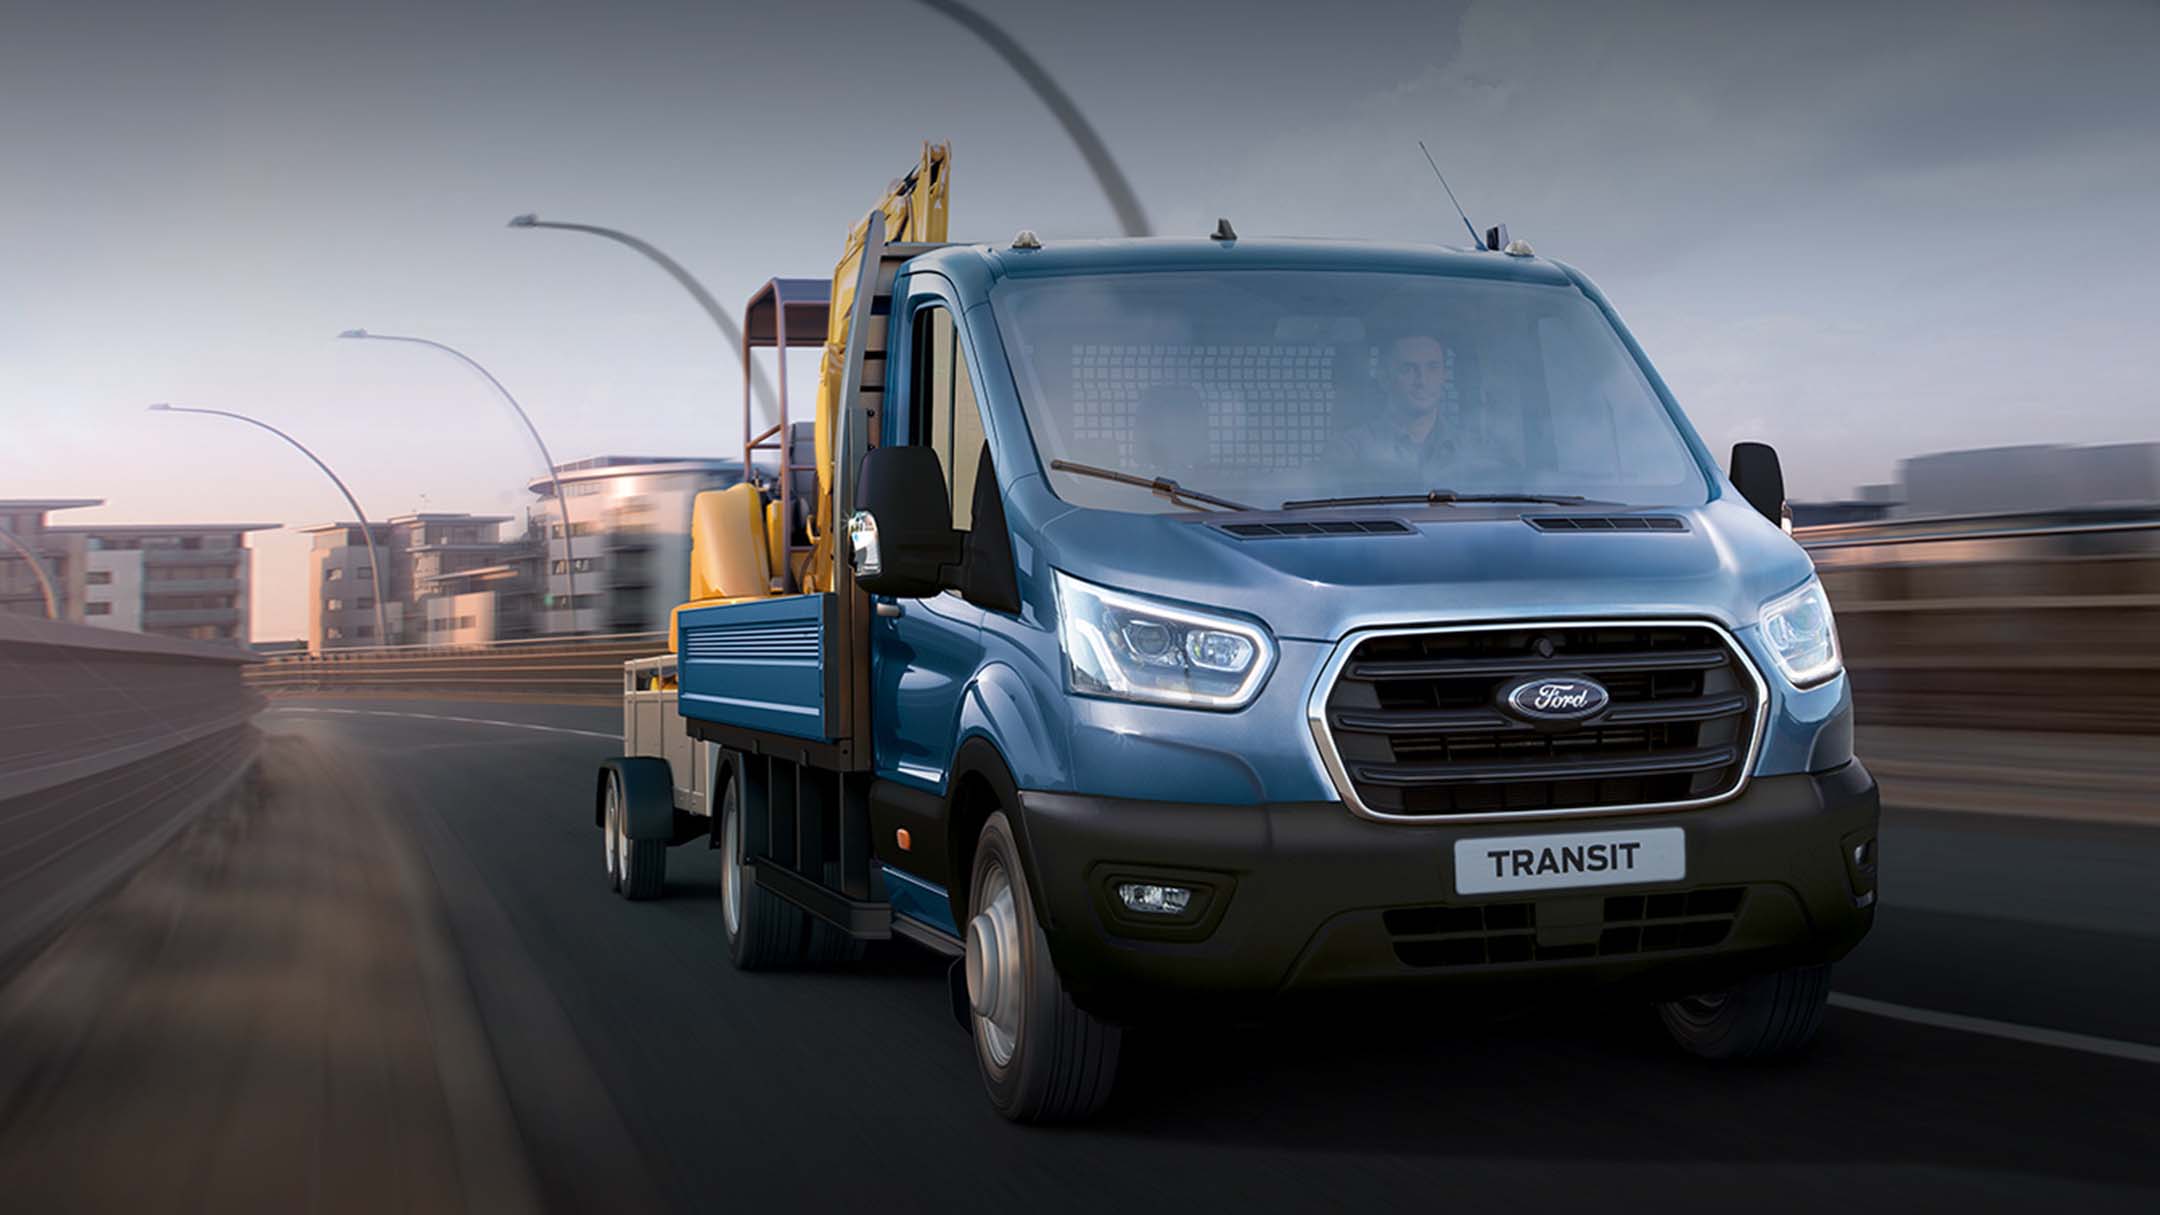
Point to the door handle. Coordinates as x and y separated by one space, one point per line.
890 611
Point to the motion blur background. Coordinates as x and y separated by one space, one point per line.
1909 245
1859 233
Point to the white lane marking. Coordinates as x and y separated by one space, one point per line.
2064 1039
477 721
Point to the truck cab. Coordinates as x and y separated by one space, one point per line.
1212 622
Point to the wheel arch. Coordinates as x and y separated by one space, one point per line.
648 787
982 784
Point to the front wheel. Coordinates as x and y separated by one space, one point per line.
1776 1014
1042 1057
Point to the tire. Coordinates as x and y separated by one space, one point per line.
1776 1014
637 869
764 931
1042 1058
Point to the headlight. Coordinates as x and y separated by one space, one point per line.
1126 647
1800 634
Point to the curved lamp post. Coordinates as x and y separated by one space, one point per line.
728 328
367 530
562 503
1060 103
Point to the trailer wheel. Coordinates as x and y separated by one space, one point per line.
637 869
1776 1014
764 931
1042 1057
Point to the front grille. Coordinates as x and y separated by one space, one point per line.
1416 726
1496 934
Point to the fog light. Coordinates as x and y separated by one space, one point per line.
1863 855
1149 899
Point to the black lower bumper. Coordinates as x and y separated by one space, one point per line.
1309 897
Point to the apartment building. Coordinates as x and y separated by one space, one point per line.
423 556
187 580
30 562
630 520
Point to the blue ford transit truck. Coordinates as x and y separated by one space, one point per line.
1159 625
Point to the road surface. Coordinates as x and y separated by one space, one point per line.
396 979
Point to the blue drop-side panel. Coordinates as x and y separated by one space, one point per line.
759 665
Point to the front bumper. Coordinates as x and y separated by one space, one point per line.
1308 897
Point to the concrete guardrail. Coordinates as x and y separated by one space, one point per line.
109 743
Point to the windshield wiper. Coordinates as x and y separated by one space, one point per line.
1162 486
1435 497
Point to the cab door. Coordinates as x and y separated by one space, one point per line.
924 651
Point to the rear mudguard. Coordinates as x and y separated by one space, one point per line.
648 796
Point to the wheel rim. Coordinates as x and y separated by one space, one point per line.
614 828
994 967
730 857
620 837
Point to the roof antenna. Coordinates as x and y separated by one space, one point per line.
1474 239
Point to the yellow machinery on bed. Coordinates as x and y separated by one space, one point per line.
764 538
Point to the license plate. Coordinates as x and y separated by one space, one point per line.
1504 863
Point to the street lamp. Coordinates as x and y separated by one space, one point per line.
562 503
728 328
1062 107
367 530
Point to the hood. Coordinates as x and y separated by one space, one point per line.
1446 564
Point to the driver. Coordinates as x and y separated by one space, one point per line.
1404 445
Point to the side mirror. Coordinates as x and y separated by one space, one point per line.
1760 479
901 540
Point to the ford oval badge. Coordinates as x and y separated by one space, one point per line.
1555 700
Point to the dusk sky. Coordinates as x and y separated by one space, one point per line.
1857 233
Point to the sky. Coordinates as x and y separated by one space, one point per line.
1856 232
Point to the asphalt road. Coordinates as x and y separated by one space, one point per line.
542 1043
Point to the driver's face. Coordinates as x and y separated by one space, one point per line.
1417 373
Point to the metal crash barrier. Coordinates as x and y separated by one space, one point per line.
2027 622
583 668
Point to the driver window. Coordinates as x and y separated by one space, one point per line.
945 415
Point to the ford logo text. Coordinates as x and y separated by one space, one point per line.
1553 701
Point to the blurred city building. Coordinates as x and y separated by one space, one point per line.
185 580
455 579
631 519
434 565
2017 480
2034 479
21 589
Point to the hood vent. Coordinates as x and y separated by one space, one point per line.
1606 523
1330 527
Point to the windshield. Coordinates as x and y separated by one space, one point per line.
1272 386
